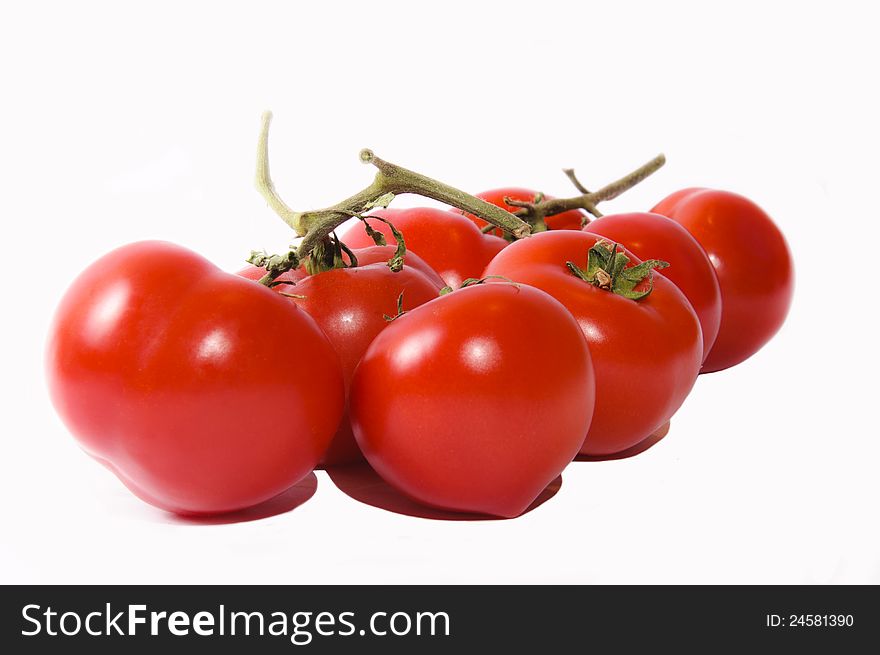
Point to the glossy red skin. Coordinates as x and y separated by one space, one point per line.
204 392
350 308
652 236
371 255
670 202
475 401
350 305
753 264
570 220
450 244
646 353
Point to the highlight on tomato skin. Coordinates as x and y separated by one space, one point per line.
646 353
203 391
652 236
476 401
752 261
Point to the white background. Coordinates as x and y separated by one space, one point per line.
125 121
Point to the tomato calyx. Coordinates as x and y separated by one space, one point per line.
332 252
607 269
400 310
396 261
275 265
327 255
526 211
473 281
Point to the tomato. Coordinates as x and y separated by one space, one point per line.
350 306
204 392
475 401
646 353
369 255
450 244
752 262
652 236
570 220
670 202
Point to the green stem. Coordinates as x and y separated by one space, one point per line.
533 211
590 207
402 180
263 180
607 192
569 172
315 226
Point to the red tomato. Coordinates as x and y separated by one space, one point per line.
350 305
204 392
570 220
450 244
646 353
752 262
369 255
477 400
651 236
350 308
670 202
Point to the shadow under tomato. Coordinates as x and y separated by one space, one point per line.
640 447
363 484
286 501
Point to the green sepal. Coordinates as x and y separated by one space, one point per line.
282 263
396 261
342 248
328 255
377 237
606 269
275 265
400 311
472 281
469 282
630 278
